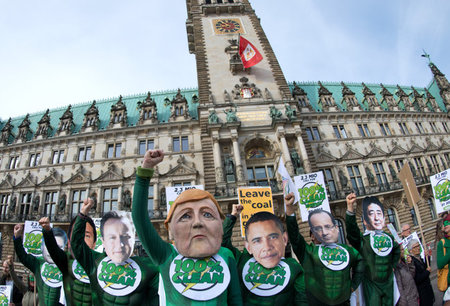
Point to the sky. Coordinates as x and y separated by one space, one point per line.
55 53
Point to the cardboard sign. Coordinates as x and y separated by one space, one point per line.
173 192
409 184
312 193
254 199
98 243
5 295
32 238
440 183
408 239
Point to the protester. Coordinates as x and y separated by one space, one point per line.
76 285
379 250
404 275
332 271
47 275
30 298
406 231
422 275
443 255
115 277
195 227
440 227
10 278
266 277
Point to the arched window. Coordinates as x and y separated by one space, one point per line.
413 216
392 216
432 208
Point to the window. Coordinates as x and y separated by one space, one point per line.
364 130
341 237
110 199
114 150
58 157
14 162
50 203
145 145
182 184
356 179
313 133
420 128
432 208
380 174
385 130
419 166
78 196
4 200
435 163
392 216
150 200
445 126
261 176
34 160
84 153
403 128
413 216
433 127
331 184
25 203
339 131
180 144
399 164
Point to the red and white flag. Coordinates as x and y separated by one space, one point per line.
249 54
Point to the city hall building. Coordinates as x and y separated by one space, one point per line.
230 132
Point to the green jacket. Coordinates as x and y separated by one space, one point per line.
256 280
135 283
184 285
331 284
77 292
43 272
441 259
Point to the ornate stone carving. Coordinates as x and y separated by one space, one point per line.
66 121
6 132
91 118
245 90
24 129
148 109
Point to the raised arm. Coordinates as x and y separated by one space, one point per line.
156 248
23 288
83 254
353 232
228 225
27 260
59 256
295 238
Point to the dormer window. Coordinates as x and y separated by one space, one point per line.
91 118
118 114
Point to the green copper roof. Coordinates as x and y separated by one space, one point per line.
104 111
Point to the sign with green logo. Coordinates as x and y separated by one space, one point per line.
173 192
32 238
265 282
199 279
334 257
440 183
381 243
119 279
312 193
5 295
98 243
51 275
79 272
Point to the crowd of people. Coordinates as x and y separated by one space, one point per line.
201 266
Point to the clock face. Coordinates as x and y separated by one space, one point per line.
227 26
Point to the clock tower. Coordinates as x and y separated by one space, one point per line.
247 115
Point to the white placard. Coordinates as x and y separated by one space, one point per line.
5 295
98 243
173 192
408 239
440 183
312 193
32 238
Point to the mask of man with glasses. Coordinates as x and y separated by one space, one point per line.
323 226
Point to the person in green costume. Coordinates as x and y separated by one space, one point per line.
195 269
115 277
47 275
379 250
332 271
443 255
266 277
76 285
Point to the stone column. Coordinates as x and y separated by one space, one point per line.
156 203
303 153
285 151
217 159
237 159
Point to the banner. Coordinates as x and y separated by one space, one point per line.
98 243
5 295
409 184
312 193
254 199
440 183
288 184
173 192
32 238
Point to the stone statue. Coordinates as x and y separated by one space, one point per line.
343 179
229 165
62 203
127 200
231 115
393 173
413 170
12 205
370 176
93 196
213 118
290 112
162 198
274 113
36 201
297 163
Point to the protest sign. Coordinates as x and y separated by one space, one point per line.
440 183
98 243
312 193
288 184
394 233
5 295
32 238
173 192
254 199
408 239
